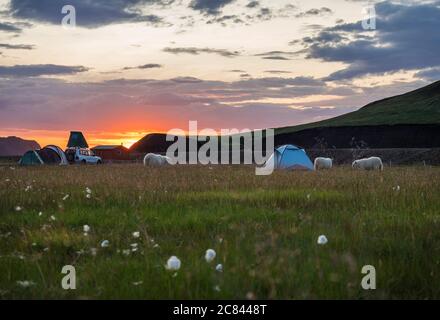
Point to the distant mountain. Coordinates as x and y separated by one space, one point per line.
14 146
410 120
421 106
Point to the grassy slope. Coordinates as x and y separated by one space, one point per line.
269 228
421 106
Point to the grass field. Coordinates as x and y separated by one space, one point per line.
264 230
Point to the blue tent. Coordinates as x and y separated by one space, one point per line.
290 157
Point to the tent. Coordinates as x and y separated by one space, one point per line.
30 158
289 157
77 140
48 155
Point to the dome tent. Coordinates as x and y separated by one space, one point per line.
289 157
48 155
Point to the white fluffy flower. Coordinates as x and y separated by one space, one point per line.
25 283
322 239
126 252
136 234
18 208
210 255
93 251
105 244
219 268
86 228
173 264
66 197
52 217
88 190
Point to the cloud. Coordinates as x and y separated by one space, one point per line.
197 51
276 55
9 27
406 39
277 71
315 12
211 7
145 66
432 74
89 14
253 4
17 46
37 70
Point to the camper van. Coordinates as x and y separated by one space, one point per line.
82 156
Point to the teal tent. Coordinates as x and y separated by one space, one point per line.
289 157
77 140
30 158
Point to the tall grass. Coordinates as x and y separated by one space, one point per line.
264 230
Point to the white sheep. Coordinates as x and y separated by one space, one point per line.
323 163
372 163
156 160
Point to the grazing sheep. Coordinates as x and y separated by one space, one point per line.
323 163
156 160
372 163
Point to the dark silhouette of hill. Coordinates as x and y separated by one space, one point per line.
15 146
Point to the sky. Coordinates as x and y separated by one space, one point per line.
132 67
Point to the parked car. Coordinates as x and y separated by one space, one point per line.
82 156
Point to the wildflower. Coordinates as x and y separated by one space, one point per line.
27 188
88 196
173 264
18 208
66 197
217 288
138 283
322 240
52 217
210 255
156 246
86 228
40 214
136 234
219 268
88 190
25 283
126 252
93 251
105 244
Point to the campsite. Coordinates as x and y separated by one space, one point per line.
264 230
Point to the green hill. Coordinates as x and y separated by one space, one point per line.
421 106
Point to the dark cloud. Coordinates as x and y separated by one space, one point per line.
17 46
277 72
276 55
89 14
315 12
211 7
37 70
145 66
406 39
432 74
253 4
9 27
197 51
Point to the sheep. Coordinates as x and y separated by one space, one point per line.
155 160
372 163
323 163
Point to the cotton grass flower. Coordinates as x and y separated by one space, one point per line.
52 217
88 190
322 240
25 283
210 255
40 214
66 197
126 252
105 244
86 228
93 251
219 268
18 208
173 264
136 234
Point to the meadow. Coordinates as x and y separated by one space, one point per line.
264 230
